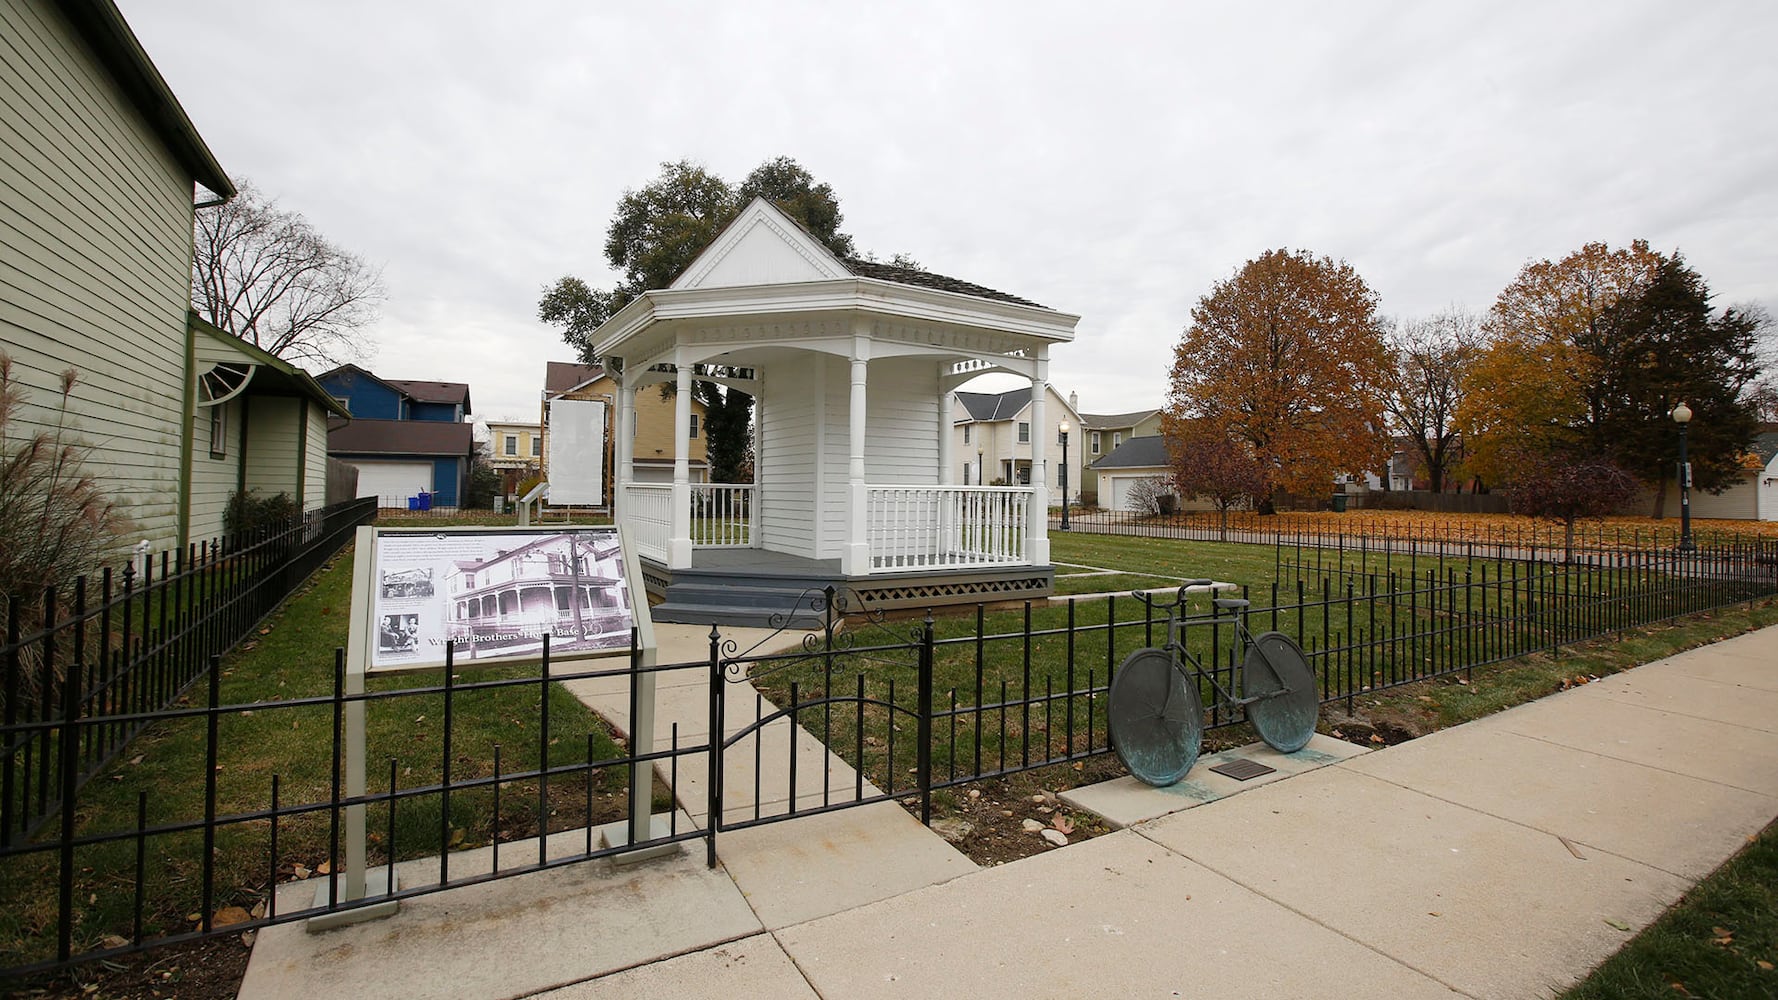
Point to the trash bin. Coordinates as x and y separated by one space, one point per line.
1339 503
426 502
413 503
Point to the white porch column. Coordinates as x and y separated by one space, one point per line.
759 463
855 558
1037 542
947 405
679 538
624 452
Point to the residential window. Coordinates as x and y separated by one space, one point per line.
1024 432
1117 439
512 444
1095 442
694 425
965 433
536 447
219 431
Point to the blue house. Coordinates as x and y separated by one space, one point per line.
406 437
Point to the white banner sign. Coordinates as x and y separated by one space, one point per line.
577 452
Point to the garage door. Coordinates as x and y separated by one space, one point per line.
1120 490
393 482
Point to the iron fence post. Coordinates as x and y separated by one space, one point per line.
713 781
923 761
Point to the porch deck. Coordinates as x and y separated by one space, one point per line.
760 588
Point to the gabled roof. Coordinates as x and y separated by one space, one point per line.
1137 453
566 376
442 438
1107 421
433 392
984 406
103 27
418 391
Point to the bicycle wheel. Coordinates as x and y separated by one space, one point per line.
1156 721
1277 674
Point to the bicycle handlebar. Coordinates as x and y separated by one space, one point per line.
1198 586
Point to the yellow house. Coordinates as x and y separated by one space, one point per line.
654 444
515 450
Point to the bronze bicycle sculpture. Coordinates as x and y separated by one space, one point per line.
1156 716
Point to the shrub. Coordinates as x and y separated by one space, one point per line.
248 512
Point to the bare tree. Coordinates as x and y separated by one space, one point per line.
1432 359
265 275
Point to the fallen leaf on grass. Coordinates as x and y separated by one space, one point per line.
1764 965
1062 823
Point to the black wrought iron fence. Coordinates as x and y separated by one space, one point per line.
908 708
83 669
230 825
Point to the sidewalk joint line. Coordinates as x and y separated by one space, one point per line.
1366 945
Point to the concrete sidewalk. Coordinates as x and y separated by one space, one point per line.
1502 858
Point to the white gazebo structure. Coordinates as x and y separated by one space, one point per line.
852 365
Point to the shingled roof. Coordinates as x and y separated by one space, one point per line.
562 376
433 392
927 279
444 438
1097 421
994 405
1137 453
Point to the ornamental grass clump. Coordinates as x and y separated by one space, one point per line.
56 523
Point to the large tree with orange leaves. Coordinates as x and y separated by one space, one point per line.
1528 390
1287 356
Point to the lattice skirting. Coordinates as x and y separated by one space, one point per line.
914 593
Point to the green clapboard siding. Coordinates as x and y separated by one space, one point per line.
95 263
274 445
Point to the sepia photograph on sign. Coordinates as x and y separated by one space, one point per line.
497 594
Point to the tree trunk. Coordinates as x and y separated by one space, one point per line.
1660 510
1568 542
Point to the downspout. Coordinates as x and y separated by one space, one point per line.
182 532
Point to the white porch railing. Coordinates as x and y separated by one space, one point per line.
956 527
722 516
647 509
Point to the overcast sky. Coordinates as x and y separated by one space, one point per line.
1112 160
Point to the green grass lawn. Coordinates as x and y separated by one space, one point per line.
291 659
1720 940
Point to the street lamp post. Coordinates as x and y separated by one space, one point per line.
1064 476
1682 415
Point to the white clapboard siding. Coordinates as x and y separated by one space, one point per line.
315 462
901 425
788 450
274 445
214 478
95 259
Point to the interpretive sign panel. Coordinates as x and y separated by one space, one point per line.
495 594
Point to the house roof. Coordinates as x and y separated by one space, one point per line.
433 392
1106 421
928 279
443 438
1137 453
995 405
103 27
1765 445
566 376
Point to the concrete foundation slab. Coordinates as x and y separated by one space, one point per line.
547 928
813 866
1126 801
1116 916
1490 907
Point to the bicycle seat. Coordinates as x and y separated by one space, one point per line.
1230 603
